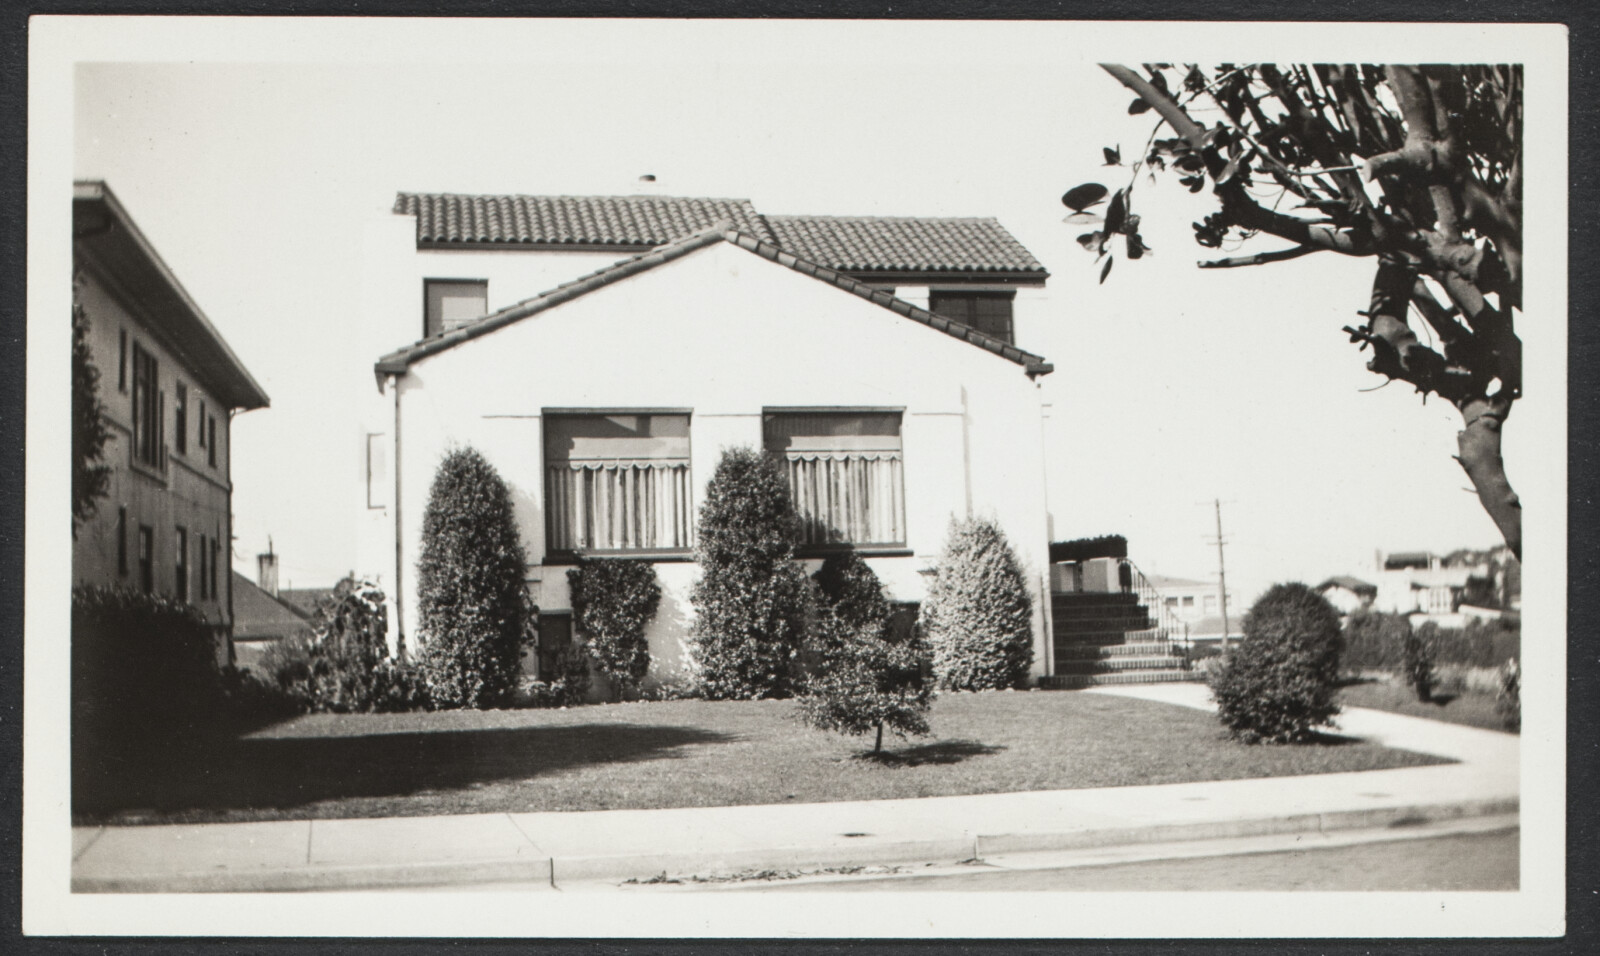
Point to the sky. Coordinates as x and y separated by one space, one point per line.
1174 387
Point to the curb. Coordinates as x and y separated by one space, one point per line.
551 872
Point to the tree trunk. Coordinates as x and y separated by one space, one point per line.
1479 444
878 747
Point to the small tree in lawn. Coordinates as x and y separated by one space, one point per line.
864 679
613 601
1419 656
474 609
91 480
978 616
1279 684
751 601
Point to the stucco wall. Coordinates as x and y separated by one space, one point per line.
725 333
192 493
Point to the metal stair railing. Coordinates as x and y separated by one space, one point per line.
1168 625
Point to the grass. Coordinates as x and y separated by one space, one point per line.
685 753
1470 708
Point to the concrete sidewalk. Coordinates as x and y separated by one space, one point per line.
556 849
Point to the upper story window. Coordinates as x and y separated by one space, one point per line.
180 418
617 481
147 411
988 312
211 440
180 550
451 303
845 473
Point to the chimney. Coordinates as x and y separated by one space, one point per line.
267 570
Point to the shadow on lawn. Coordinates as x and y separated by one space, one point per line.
285 772
943 752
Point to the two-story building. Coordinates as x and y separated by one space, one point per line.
169 386
879 357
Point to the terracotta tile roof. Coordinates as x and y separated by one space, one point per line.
875 244
571 220
396 363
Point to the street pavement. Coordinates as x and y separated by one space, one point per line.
570 850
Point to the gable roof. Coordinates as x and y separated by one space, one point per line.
258 616
109 242
877 244
396 363
304 600
886 247
1352 584
572 221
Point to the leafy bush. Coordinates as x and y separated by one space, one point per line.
613 601
1374 640
342 664
1279 683
1418 660
474 608
142 665
1482 643
1508 703
91 478
751 601
978 615
866 678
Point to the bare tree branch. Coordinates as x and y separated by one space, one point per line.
1260 258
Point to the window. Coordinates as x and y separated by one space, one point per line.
211 441
180 419
201 418
205 558
146 409
617 481
122 541
844 473
147 558
122 360
988 312
452 303
555 635
377 472
1188 600
215 556
181 550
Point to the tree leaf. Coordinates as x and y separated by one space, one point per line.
1079 198
1107 270
1113 155
1089 240
1138 106
1116 213
1082 219
1136 246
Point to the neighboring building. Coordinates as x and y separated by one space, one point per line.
259 618
607 402
169 385
1348 594
1427 588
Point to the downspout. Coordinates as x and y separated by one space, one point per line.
399 559
1046 579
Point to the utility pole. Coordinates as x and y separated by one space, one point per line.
1222 576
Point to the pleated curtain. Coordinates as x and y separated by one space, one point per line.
619 505
848 497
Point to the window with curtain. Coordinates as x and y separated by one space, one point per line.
988 312
845 474
617 482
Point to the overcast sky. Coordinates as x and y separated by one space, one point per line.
1172 387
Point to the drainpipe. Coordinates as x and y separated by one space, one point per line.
399 559
1045 583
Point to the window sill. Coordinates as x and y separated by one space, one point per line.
568 558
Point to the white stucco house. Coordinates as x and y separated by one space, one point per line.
603 352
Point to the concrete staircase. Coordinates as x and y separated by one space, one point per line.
1108 638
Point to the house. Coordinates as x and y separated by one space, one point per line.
1426 587
169 385
605 401
259 618
1348 594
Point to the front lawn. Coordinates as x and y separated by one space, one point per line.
1470 708
686 753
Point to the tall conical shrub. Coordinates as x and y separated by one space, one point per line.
978 615
474 608
751 602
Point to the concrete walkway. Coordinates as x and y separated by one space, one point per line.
557 849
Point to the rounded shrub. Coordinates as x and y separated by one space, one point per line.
1374 640
1279 683
474 608
863 678
341 664
1418 661
752 600
978 616
613 601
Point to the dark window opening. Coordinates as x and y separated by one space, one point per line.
215 557
147 402
988 312
122 360
205 559
845 474
211 441
147 558
122 541
181 564
555 635
452 303
180 419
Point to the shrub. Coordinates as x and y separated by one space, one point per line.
1374 640
565 686
91 478
613 602
1279 683
1482 643
978 616
474 608
866 678
1508 703
1418 660
751 601
142 665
